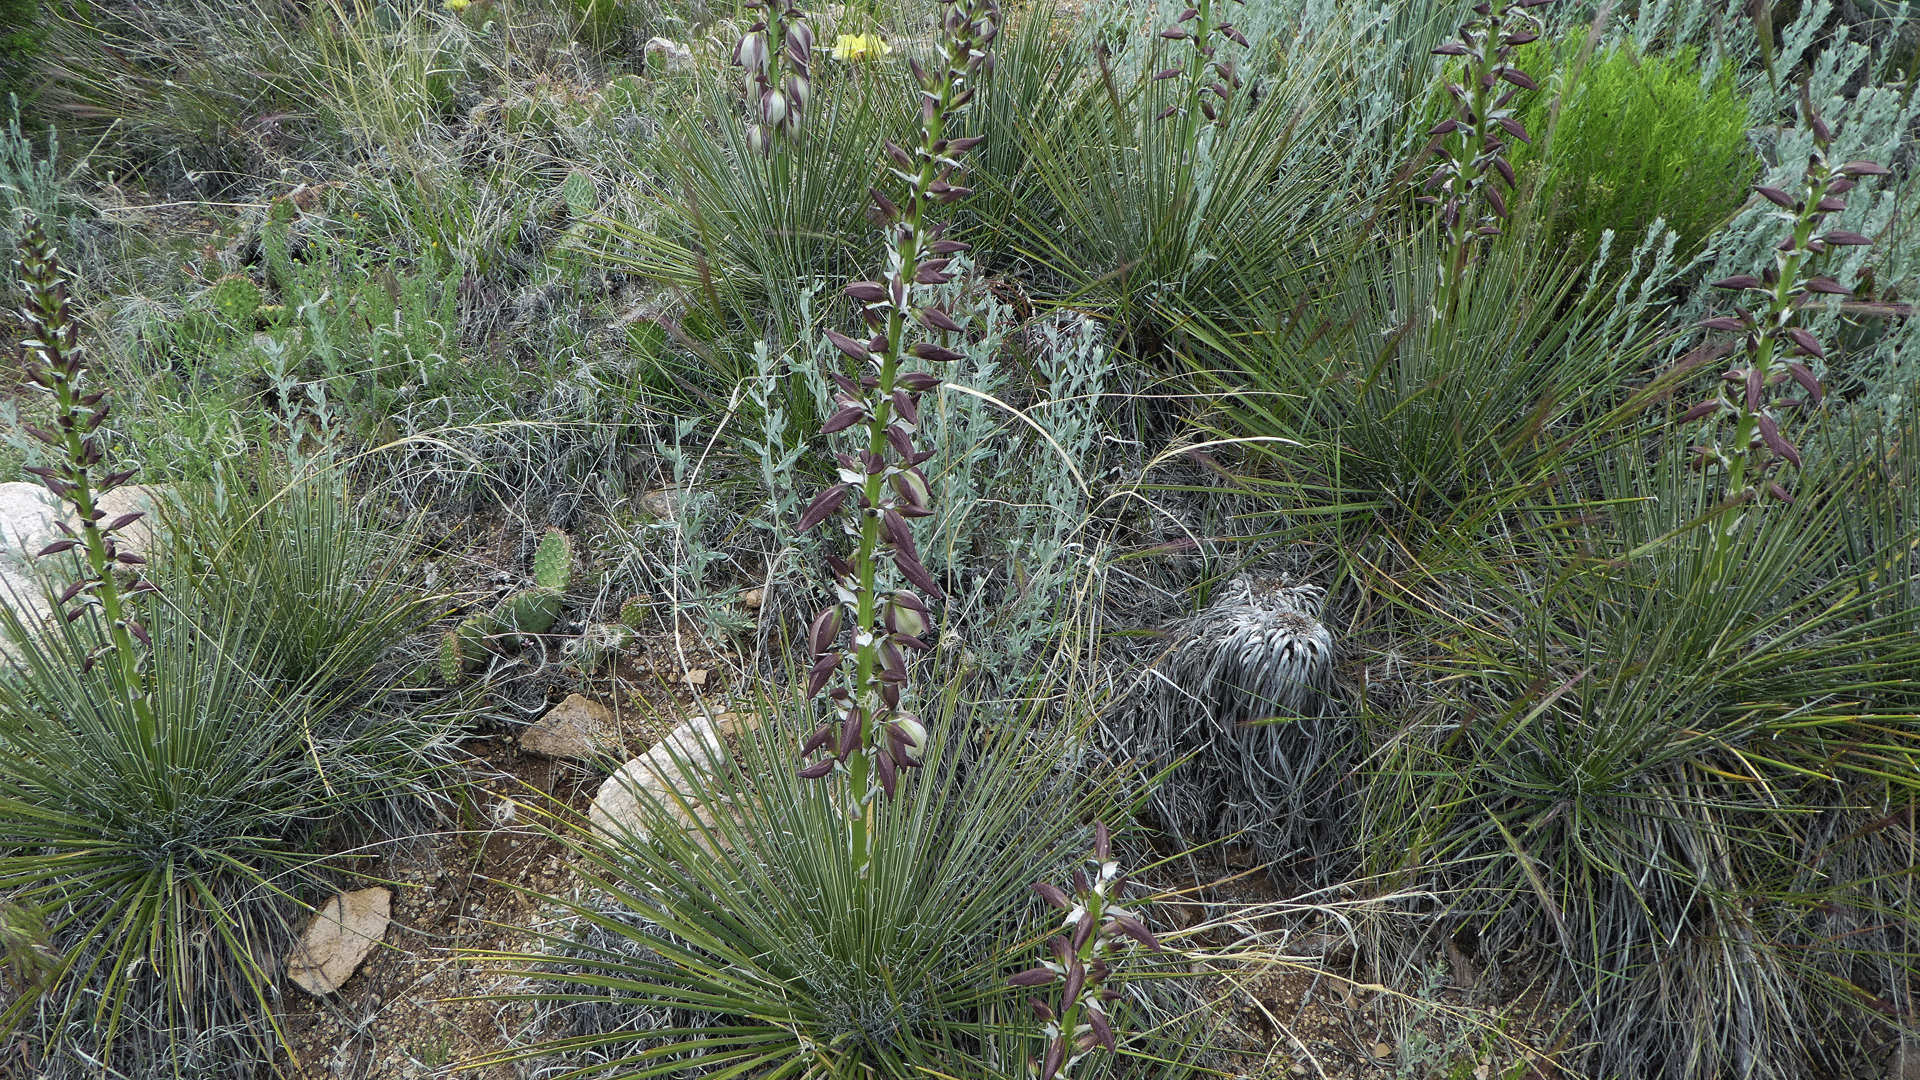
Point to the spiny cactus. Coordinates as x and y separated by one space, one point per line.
529 611
633 612
553 562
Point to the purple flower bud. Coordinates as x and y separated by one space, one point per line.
888 771
1055 1056
934 353
1451 48
1033 977
1138 931
1779 492
1863 168
849 346
825 630
1102 1030
1805 378
1770 432
1775 196
867 292
1843 238
848 416
1102 841
907 410
1040 1008
1169 73
823 506
822 670
1051 894
1082 930
817 770
1708 406
917 381
1740 281
849 732
911 569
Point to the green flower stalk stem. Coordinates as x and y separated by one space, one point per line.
881 483
1471 143
52 359
1097 929
1772 346
1202 63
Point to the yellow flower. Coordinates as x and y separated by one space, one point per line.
455 5
852 47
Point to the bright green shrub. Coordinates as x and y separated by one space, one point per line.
1639 138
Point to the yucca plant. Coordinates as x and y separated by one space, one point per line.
762 948
1676 787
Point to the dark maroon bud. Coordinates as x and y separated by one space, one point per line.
1779 492
1082 930
1840 185
917 381
961 146
1102 1030
899 532
1235 36
1168 111
1740 281
822 670
1451 48
1775 195
1832 204
878 344
1805 378
1040 1008
130 559
825 630
817 770
817 740
75 614
911 569
1521 37
1821 132
1102 841
1843 238
1189 15
911 642
823 505
888 771
934 353
845 384
1721 322
1519 78
125 520
1498 200
1055 1056
1079 882
1032 977
903 404
1076 980
898 438
1700 410
889 212
867 292
74 589
1506 172
1051 894
844 419
1514 128
935 319
874 463
849 346
1174 34
1806 340
1755 381
1770 434
948 247
140 632
1206 110
900 157
1138 931
924 275
1863 168
849 732
1828 286
56 548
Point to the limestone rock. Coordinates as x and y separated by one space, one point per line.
28 513
663 54
342 933
674 774
577 728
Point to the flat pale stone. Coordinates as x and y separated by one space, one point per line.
28 513
342 933
656 777
578 728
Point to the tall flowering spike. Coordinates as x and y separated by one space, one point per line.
1772 342
1099 929
52 359
1209 79
777 53
880 401
1471 145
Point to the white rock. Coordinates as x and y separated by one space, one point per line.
577 728
663 54
27 516
672 775
342 933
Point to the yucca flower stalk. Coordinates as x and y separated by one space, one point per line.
1773 347
777 52
1204 73
881 483
52 358
1472 143
1098 929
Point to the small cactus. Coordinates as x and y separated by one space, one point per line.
582 197
633 612
452 662
530 611
236 298
553 561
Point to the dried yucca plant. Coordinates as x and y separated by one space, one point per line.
1241 707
